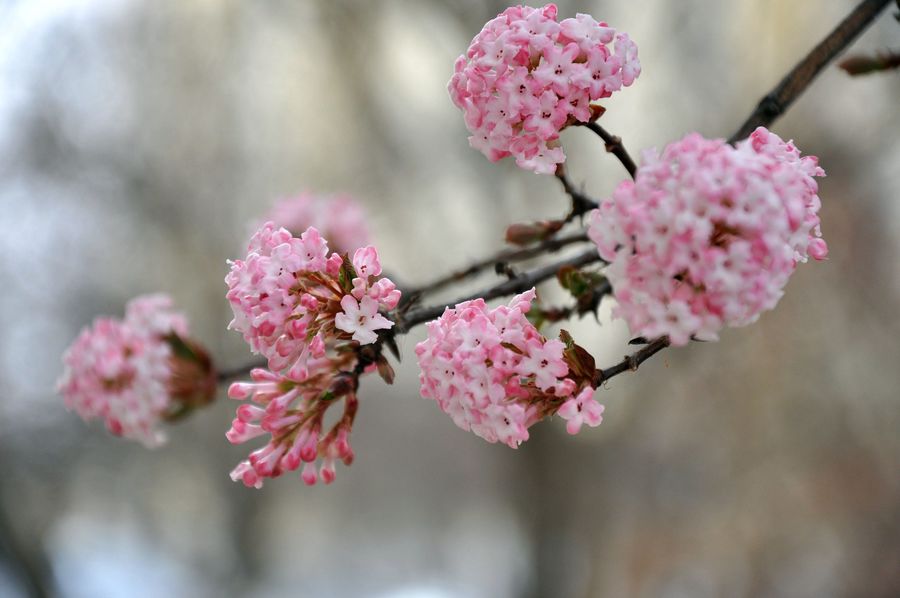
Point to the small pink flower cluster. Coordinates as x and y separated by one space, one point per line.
340 219
708 235
292 412
121 370
289 296
526 76
308 313
494 374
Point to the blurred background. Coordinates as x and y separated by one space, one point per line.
139 139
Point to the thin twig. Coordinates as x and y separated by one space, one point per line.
522 283
238 372
586 303
502 257
777 101
614 146
631 362
581 203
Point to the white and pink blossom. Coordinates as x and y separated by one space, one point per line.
526 76
361 319
340 218
308 312
286 293
291 413
126 373
707 235
581 409
491 370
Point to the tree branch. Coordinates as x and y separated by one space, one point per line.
581 203
238 372
614 146
631 362
505 256
777 101
520 284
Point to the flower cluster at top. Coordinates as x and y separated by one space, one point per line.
707 234
494 374
340 219
135 373
309 313
526 76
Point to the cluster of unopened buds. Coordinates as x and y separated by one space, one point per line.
339 218
707 235
493 373
526 76
137 372
310 314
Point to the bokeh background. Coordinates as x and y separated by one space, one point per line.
139 139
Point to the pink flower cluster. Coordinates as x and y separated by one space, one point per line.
121 370
339 218
289 296
708 235
308 312
291 412
526 76
494 374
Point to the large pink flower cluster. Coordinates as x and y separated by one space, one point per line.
708 234
494 374
308 312
121 370
526 76
339 218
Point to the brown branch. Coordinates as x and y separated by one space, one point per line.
581 203
586 303
238 372
777 101
502 257
631 362
520 284
614 146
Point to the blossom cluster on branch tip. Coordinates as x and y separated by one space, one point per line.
137 372
289 296
493 373
313 316
707 235
526 76
339 218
